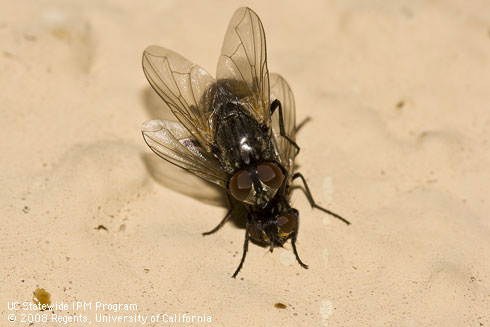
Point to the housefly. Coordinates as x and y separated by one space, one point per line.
275 223
236 131
224 131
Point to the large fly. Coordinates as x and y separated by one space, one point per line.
227 118
227 132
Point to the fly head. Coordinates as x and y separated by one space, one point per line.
256 185
274 230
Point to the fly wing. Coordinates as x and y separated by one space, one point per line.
186 88
242 67
184 182
281 91
174 143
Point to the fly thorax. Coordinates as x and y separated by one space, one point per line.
247 152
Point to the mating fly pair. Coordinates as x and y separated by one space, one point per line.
236 131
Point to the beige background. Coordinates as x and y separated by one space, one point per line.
398 93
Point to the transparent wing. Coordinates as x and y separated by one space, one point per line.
182 181
281 91
242 67
186 88
174 143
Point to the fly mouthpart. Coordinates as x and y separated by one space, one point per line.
272 246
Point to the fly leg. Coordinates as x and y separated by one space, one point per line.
245 249
312 202
277 104
303 123
224 220
293 243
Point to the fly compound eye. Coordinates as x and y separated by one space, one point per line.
270 174
253 231
241 185
257 233
286 223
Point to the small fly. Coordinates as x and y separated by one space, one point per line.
227 132
274 224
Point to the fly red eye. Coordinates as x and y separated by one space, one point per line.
241 185
286 223
270 174
257 233
254 233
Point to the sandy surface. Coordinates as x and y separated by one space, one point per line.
399 99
